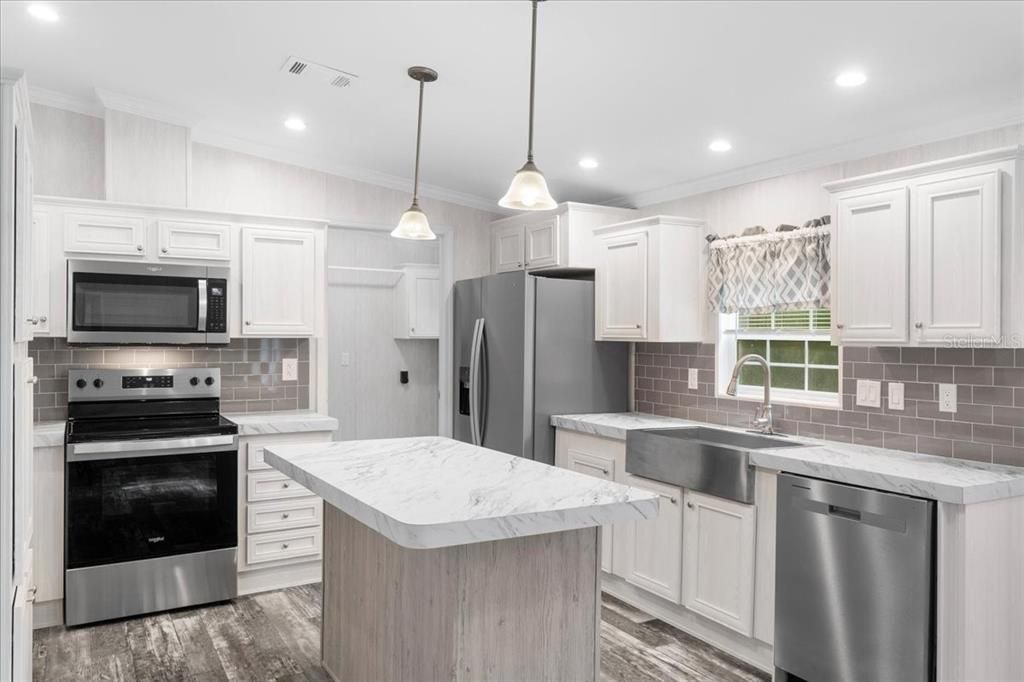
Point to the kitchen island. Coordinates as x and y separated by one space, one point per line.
443 560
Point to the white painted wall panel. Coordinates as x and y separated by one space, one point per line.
147 161
67 153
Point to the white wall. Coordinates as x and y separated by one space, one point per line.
366 396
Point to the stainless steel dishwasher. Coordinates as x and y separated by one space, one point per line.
854 584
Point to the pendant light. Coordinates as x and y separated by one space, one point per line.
414 224
529 190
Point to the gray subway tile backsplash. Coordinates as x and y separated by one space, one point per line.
251 371
988 425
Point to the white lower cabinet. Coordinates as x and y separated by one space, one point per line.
718 560
648 554
599 466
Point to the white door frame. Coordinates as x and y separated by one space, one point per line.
446 257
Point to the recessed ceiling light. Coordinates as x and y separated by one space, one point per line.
851 79
720 146
43 13
294 123
588 162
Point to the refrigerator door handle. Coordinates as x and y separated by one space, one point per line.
474 381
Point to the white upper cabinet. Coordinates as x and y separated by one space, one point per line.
193 239
105 233
280 285
418 302
648 282
39 311
872 247
26 320
718 560
928 255
956 258
559 238
649 553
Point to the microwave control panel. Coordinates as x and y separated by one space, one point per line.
217 305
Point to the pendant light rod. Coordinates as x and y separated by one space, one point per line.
423 75
533 72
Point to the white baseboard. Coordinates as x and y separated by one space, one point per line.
746 649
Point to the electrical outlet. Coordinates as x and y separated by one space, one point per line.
691 380
869 393
346 359
947 397
895 396
289 369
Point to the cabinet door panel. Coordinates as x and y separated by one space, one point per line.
507 248
425 313
873 267
105 233
652 550
193 239
718 552
956 258
278 282
40 272
542 244
622 283
599 467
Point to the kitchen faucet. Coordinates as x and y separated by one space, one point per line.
763 417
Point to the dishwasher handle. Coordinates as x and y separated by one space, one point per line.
897 524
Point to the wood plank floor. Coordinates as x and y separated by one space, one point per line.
276 636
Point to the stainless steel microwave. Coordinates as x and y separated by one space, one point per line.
146 303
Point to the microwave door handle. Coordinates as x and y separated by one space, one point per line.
202 306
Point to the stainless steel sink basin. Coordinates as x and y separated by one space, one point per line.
701 458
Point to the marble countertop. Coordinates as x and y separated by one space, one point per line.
266 423
955 481
433 492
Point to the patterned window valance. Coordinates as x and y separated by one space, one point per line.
771 272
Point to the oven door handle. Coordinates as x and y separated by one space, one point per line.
83 452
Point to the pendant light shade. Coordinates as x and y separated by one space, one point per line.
414 224
529 189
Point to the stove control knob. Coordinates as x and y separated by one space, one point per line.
81 383
209 381
194 381
98 383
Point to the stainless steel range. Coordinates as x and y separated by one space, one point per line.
151 487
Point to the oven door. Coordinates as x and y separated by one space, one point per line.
132 500
128 303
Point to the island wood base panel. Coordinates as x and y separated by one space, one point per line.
518 609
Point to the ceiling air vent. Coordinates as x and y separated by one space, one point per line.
336 78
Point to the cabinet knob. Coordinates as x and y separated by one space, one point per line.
527 263
840 326
519 265
284 545
163 249
247 323
32 380
669 498
412 329
42 318
32 320
284 485
604 471
689 505
919 325
638 325
285 515
138 247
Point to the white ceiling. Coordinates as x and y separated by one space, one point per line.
641 86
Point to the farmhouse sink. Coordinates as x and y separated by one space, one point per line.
701 458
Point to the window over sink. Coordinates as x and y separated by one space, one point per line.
806 367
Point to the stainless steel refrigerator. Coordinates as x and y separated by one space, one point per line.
524 350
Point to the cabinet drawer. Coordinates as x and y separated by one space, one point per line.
112 234
254 458
272 516
289 544
272 485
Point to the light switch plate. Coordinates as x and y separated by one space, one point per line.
869 393
947 397
290 369
346 359
691 380
895 395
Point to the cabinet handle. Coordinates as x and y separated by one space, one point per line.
31 596
669 498
284 516
919 325
138 247
32 320
33 380
163 250
689 505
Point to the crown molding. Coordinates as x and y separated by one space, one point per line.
851 151
325 164
89 106
158 111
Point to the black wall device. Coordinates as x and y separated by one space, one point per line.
403 376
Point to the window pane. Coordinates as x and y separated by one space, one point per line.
751 375
747 346
822 318
788 377
787 351
754 321
793 319
823 380
823 353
